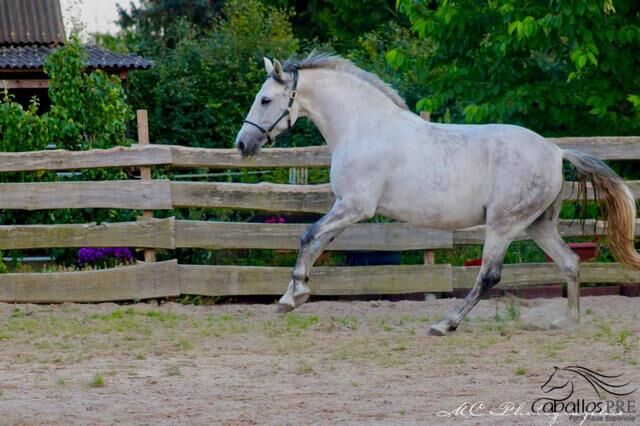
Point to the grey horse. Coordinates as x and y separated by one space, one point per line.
385 159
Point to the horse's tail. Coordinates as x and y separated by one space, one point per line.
619 203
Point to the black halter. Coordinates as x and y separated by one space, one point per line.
285 113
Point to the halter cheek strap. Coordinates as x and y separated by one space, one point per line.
286 113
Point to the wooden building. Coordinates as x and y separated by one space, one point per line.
29 31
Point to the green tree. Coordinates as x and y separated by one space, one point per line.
339 23
565 67
198 92
88 110
152 23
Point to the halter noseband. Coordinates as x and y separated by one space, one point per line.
285 113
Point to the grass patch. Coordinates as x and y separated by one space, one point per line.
97 381
173 371
521 371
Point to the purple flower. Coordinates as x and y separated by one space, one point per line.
275 219
89 255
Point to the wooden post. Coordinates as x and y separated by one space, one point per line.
429 255
145 171
573 301
429 258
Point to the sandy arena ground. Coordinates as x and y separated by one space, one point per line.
364 363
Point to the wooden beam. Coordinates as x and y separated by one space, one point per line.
570 190
126 194
603 147
567 228
260 196
61 159
24 84
252 280
136 282
145 171
530 274
155 233
314 156
364 236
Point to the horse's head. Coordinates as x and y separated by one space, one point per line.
273 111
557 380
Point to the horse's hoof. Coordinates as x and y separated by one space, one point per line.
283 308
301 298
438 329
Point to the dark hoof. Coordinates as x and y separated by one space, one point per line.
436 332
283 308
441 328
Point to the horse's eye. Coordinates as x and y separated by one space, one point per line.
265 101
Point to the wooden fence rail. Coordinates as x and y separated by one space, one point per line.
165 195
606 148
168 279
171 234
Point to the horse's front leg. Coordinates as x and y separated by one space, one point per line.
312 244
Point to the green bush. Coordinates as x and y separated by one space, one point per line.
88 110
198 92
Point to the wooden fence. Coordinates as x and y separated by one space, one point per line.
164 279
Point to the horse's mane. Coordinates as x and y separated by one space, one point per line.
317 59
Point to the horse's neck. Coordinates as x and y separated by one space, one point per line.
338 103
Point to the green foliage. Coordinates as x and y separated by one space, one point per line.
21 130
88 109
199 92
560 68
152 22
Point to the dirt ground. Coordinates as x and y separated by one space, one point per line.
361 363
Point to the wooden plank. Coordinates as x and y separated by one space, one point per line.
608 148
135 282
252 280
567 228
260 196
529 274
364 236
603 147
25 83
570 191
278 197
145 171
60 159
186 157
126 194
158 233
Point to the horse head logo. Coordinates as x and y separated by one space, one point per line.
561 383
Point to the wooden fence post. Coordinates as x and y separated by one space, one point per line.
145 171
429 255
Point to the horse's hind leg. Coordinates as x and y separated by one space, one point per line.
544 231
495 246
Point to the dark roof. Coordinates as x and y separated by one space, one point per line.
32 58
31 21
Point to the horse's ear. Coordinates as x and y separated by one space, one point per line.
277 69
268 66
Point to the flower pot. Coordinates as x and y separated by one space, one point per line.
630 290
586 251
610 290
